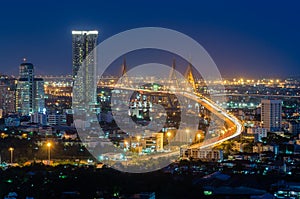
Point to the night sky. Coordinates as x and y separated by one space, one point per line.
252 39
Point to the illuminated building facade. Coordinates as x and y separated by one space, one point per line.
30 91
39 93
25 94
271 114
84 54
7 99
57 119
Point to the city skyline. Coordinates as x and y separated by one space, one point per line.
149 99
241 38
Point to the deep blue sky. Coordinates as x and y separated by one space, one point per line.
251 39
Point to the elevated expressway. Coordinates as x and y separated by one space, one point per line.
235 126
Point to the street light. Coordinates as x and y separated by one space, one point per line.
11 149
169 141
199 136
49 152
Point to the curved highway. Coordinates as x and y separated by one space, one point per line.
236 127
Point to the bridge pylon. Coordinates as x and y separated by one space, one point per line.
124 75
190 76
173 80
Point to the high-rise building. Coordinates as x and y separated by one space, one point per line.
83 43
25 88
7 99
271 114
39 94
26 71
30 91
84 55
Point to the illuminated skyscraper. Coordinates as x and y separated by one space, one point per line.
39 95
271 114
25 94
84 55
30 91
